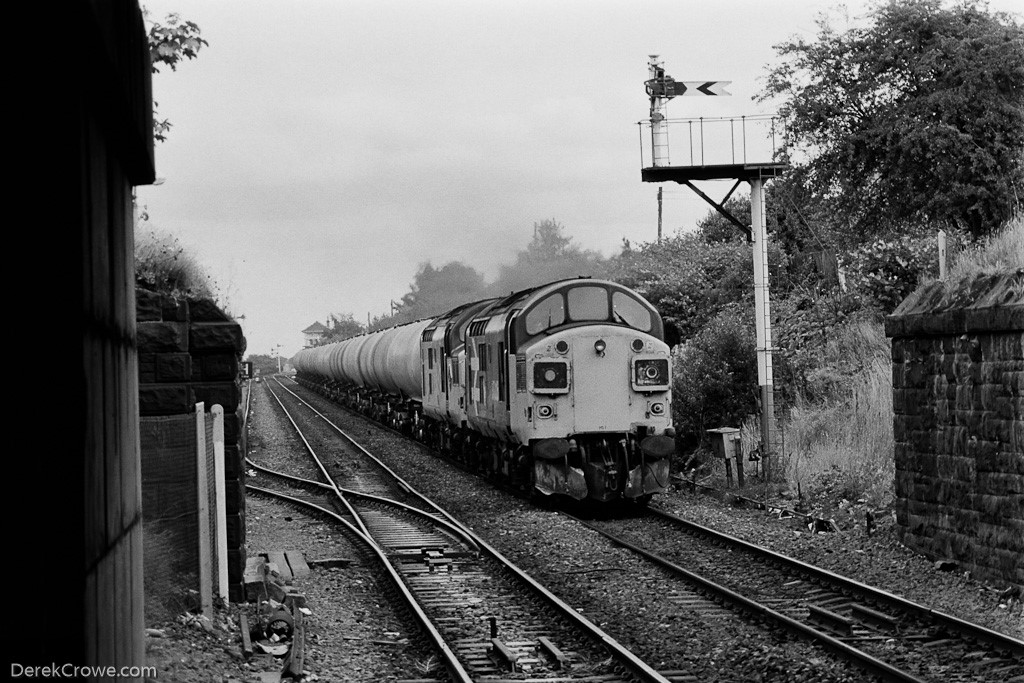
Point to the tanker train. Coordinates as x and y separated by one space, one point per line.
562 389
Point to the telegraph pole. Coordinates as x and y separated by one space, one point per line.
659 214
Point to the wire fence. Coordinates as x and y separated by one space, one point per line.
184 542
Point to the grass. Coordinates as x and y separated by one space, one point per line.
845 442
1002 252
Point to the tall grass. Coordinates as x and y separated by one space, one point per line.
1001 252
846 441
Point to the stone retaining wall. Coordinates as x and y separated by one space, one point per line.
958 403
189 352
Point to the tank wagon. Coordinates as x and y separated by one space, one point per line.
562 389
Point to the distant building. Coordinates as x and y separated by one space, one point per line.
314 334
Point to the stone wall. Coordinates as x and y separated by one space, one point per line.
958 403
190 352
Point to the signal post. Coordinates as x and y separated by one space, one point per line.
720 149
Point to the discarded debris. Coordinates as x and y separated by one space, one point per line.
275 649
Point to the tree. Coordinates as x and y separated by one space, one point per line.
715 227
435 291
714 381
342 327
690 280
917 117
550 255
169 43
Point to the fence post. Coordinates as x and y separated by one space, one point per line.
203 509
942 254
221 503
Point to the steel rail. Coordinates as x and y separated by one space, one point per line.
975 631
637 667
452 662
877 666
406 486
454 530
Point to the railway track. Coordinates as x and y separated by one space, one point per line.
487 619
888 636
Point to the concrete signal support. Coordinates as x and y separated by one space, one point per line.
660 88
763 323
756 175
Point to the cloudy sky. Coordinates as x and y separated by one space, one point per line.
321 150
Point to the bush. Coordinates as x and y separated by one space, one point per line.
805 322
690 281
715 376
884 272
163 265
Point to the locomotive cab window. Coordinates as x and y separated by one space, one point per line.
588 303
629 311
547 313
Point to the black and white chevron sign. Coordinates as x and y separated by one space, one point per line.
671 88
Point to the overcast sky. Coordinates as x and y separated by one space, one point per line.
321 150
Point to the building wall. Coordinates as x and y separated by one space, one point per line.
83 141
190 352
958 399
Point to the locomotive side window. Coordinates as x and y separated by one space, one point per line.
502 372
629 311
588 303
547 313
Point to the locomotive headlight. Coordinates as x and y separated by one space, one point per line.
637 345
650 374
657 409
550 377
544 411
599 347
562 346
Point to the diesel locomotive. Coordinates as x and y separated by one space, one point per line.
562 389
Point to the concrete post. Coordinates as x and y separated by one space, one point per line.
763 320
